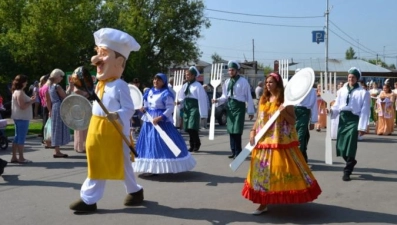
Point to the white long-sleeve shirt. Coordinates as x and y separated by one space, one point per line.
117 98
359 104
196 91
241 92
310 102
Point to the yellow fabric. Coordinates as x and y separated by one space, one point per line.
278 172
100 88
278 134
105 154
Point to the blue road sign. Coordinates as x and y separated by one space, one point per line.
318 36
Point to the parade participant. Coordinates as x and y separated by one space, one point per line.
237 92
80 136
306 114
195 107
385 110
321 110
353 106
374 92
258 92
395 102
107 155
155 157
278 173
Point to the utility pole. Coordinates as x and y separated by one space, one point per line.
358 42
384 57
326 37
253 50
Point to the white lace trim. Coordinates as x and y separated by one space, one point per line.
159 166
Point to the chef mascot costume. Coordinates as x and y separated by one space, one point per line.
107 155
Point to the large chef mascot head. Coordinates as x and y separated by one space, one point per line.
113 48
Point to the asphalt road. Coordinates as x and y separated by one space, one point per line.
40 192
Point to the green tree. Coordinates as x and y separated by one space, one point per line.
52 34
37 36
267 70
166 30
216 58
350 54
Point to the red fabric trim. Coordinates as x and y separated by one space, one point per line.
282 197
277 145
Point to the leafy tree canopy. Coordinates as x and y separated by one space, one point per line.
37 36
350 54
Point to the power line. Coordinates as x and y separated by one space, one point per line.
352 38
264 24
350 42
269 52
248 14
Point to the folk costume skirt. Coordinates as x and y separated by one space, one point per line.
280 176
154 156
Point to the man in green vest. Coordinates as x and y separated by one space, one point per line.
195 107
237 92
353 106
306 116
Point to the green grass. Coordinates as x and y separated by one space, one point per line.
34 128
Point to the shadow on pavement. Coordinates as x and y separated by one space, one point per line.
64 164
324 167
194 176
311 213
13 181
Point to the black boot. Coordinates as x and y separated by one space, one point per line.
3 164
346 177
196 147
80 206
133 199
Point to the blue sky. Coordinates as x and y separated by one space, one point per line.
369 26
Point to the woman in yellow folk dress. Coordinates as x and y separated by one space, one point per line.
278 173
385 110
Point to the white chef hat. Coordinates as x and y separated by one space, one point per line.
116 40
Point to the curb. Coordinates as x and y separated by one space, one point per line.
27 137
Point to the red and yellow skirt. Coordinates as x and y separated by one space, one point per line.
280 176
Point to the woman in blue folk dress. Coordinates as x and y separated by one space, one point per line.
154 156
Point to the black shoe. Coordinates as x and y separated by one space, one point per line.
3 164
196 148
346 177
190 149
133 199
80 206
231 156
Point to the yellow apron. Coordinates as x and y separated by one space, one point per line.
105 154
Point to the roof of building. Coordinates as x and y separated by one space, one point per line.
339 65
